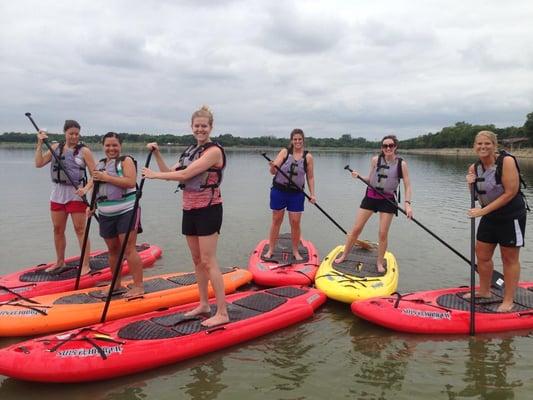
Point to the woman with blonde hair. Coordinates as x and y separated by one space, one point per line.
199 171
496 179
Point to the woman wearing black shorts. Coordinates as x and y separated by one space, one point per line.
199 171
503 215
386 170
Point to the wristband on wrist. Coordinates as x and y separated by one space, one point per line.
408 202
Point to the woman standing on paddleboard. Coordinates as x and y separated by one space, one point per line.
503 215
65 199
199 171
296 163
116 176
386 170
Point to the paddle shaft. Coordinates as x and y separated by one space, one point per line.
497 278
306 195
118 266
56 157
472 263
86 235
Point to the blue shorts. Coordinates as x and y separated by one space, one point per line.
292 201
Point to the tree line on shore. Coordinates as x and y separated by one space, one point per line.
459 135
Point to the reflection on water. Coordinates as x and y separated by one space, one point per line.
486 372
206 383
334 355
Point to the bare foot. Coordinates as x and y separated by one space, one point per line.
505 307
340 259
55 268
135 291
297 256
215 320
201 309
380 268
478 295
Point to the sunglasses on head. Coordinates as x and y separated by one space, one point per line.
388 146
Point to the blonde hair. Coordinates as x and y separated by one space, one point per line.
203 112
488 134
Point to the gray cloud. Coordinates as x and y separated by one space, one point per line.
362 68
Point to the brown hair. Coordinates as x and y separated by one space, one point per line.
295 131
112 135
70 123
394 139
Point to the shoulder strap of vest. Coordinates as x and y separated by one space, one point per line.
400 171
305 160
289 151
211 144
60 148
123 157
381 159
185 152
499 168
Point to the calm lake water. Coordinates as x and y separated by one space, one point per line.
335 355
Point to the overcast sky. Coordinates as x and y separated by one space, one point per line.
366 68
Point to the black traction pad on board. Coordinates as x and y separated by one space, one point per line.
523 301
177 324
97 263
360 263
283 252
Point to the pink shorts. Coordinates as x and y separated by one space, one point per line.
71 207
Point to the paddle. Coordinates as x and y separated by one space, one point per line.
86 234
359 243
58 160
472 263
118 267
497 278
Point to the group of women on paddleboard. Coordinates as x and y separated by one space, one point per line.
199 171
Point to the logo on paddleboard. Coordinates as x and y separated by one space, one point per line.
427 314
92 352
19 313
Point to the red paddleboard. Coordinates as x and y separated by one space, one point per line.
143 342
445 311
282 268
35 281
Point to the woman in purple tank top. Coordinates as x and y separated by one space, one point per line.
386 170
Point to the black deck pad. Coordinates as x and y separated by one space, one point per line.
360 263
157 285
78 298
283 252
96 263
146 330
177 324
523 301
190 279
262 302
288 291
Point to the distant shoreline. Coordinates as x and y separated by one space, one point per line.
457 152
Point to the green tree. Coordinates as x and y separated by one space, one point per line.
528 126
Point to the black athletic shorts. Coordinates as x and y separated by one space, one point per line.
202 221
507 232
111 227
380 205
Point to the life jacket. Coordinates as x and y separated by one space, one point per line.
386 177
202 181
295 170
489 182
72 160
108 191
